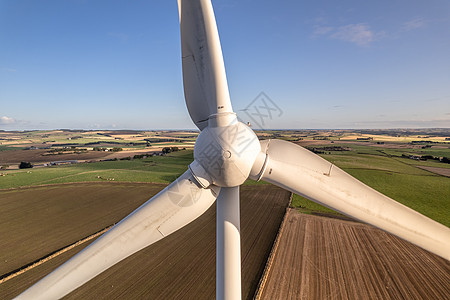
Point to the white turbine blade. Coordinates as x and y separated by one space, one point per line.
204 78
307 174
172 208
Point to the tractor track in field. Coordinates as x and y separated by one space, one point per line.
88 172
81 182
46 258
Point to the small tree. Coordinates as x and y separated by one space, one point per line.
25 165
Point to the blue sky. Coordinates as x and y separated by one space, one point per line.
84 64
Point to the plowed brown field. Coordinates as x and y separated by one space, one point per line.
440 171
38 156
36 221
181 266
324 258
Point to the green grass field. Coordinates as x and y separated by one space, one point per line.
161 169
398 178
6 147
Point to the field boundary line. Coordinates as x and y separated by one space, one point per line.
50 256
78 182
265 275
434 171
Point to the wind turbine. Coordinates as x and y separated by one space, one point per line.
226 153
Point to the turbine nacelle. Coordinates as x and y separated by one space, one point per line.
224 152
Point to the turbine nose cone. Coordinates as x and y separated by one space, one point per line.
227 153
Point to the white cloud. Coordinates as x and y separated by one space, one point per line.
359 34
7 120
321 30
414 24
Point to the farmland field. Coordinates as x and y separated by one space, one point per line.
161 169
38 156
47 208
402 179
180 266
36 221
39 147
325 258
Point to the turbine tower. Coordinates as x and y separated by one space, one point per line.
226 153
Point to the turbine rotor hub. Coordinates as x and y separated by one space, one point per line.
224 152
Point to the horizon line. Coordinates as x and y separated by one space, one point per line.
255 129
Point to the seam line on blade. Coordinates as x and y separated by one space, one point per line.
160 232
